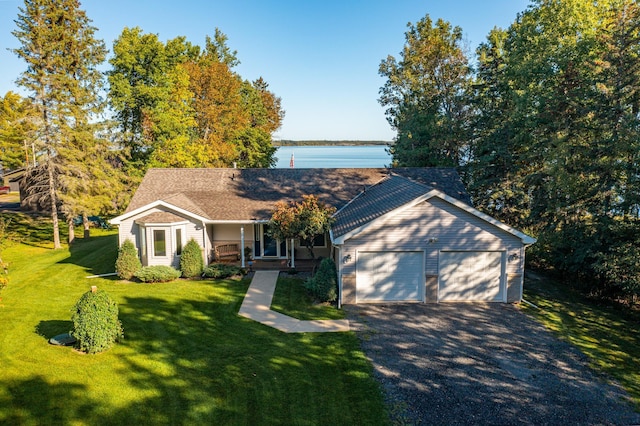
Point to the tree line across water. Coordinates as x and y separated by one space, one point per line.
285 142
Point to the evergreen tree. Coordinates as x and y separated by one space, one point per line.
496 166
57 42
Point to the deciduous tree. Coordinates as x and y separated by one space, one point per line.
425 96
182 106
304 220
17 120
556 146
147 86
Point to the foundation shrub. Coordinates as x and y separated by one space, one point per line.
191 262
324 284
127 263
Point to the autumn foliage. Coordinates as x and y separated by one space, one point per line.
303 220
179 105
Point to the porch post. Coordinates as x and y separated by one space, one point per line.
242 246
293 260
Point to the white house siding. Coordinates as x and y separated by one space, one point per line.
128 229
230 233
435 226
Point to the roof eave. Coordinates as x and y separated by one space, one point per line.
526 239
158 203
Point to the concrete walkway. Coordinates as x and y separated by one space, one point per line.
257 306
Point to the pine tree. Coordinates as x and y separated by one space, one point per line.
57 42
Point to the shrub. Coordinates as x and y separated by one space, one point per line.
127 263
191 262
324 284
221 270
95 322
157 274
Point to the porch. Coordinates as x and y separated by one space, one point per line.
302 265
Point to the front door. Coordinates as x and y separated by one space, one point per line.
271 247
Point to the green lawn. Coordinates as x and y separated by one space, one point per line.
187 357
609 336
290 298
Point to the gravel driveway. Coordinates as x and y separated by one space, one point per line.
481 364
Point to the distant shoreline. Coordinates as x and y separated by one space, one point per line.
328 143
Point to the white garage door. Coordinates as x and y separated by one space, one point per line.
389 276
466 276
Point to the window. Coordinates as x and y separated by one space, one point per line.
318 241
178 241
159 243
143 242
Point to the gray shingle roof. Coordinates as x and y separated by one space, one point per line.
387 195
160 217
250 194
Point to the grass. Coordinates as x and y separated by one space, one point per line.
609 336
187 357
291 298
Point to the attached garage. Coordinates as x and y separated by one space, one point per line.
402 241
392 276
471 276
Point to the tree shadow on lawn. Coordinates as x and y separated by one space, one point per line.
38 401
97 254
193 360
52 328
230 370
33 229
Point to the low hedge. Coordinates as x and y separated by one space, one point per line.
157 274
222 270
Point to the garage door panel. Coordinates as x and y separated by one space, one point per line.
389 276
470 276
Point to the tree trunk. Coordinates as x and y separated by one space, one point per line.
85 223
54 205
72 231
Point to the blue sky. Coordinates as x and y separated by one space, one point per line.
320 56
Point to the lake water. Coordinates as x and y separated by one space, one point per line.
361 156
